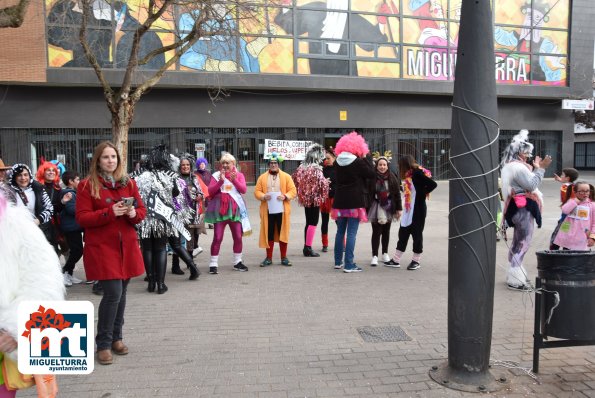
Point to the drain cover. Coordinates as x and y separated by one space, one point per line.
382 334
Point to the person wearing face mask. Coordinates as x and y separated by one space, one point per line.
32 195
111 253
385 206
227 208
275 185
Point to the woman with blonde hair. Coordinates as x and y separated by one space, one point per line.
108 207
227 207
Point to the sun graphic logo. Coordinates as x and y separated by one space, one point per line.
55 337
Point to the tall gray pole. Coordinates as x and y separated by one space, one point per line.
473 204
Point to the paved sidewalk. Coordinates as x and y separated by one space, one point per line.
292 331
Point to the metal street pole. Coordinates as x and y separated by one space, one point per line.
473 204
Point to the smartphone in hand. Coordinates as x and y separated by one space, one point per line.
128 201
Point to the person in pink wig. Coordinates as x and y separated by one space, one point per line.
354 166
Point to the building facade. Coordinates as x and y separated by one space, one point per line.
296 70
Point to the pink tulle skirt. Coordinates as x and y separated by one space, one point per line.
350 213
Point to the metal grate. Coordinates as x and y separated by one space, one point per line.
383 334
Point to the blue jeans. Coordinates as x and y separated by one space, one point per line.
350 224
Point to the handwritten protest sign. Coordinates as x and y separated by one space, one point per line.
289 150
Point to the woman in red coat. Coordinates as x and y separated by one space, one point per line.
111 252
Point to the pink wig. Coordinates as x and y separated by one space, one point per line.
352 143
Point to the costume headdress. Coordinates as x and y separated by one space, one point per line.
183 156
388 156
314 154
352 143
17 169
158 158
275 157
42 169
519 144
199 161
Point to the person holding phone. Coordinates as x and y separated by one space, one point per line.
227 207
111 254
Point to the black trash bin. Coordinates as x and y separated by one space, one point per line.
571 273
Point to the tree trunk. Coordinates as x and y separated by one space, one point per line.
121 121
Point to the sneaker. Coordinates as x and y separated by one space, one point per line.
385 258
353 268
324 249
374 261
338 266
285 261
519 288
266 262
413 265
392 263
89 282
240 267
67 281
213 270
75 280
197 251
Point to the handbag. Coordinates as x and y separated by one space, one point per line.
13 379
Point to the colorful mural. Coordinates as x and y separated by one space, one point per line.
408 39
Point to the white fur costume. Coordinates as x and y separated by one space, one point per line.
519 179
29 266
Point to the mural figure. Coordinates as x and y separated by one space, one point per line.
64 23
332 25
222 53
546 68
150 40
433 33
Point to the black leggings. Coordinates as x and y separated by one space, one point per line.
378 231
154 257
312 216
275 220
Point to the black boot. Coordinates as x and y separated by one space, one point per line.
160 268
308 252
175 265
189 261
148 260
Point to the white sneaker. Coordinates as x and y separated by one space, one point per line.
197 251
385 258
374 261
75 280
67 281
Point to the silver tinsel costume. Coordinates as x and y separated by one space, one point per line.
157 186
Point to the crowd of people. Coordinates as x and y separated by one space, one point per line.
121 224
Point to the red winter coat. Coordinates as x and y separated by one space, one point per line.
111 248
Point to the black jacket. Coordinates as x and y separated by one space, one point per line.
352 183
